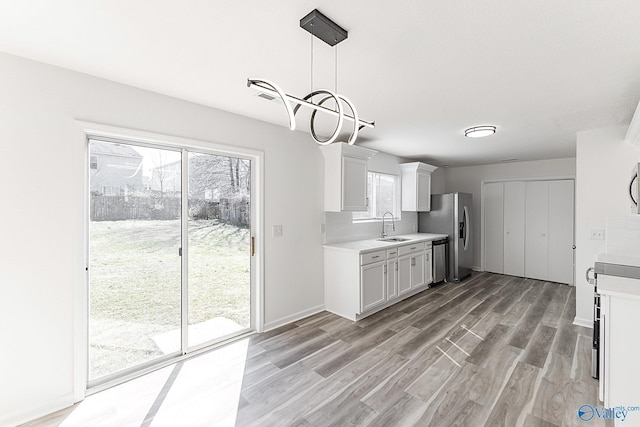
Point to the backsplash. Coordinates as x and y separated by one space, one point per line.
339 227
622 236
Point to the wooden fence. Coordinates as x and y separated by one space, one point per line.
119 208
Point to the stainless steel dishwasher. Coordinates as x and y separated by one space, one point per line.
440 259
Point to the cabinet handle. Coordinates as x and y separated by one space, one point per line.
374 257
413 247
385 269
413 261
396 266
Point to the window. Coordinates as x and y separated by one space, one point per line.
383 192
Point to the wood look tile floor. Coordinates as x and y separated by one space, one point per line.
491 350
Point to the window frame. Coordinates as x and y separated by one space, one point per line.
373 197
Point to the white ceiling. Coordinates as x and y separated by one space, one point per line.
423 70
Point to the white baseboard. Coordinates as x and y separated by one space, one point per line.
292 318
587 323
476 268
43 408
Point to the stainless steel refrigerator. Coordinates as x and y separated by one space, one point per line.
451 215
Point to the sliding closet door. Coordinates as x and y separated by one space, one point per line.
561 264
493 227
537 230
514 226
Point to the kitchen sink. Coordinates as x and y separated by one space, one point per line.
393 239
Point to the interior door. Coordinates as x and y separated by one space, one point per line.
493 227
561 213
537 230
514 235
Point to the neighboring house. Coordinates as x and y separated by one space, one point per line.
115 169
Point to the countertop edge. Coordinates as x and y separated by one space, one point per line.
375 245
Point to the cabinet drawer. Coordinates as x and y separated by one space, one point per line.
406 249
370 257
427 246
392 253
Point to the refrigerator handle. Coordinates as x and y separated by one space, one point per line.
465 227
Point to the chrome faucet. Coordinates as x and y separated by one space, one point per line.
393 224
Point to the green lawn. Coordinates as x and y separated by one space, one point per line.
135 275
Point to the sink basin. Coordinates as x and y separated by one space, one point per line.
393 239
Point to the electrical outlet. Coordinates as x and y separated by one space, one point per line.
597 234
277 231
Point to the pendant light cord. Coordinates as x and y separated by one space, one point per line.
336 65
311 88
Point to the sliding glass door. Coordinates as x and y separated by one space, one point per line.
169 250
219 291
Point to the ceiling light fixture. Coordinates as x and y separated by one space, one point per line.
331 33
480 131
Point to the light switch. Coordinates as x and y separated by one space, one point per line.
597 234
277 231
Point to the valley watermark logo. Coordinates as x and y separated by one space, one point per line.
587 412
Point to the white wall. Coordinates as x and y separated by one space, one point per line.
340 226
42 250
469 180
604 162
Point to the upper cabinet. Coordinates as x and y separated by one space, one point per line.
416 186
345 177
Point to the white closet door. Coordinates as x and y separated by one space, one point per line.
514 202
561 231
537 230
493 227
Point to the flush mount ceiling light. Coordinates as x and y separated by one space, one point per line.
331 33
480 131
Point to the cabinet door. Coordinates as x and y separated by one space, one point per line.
537 229
423 182
514 202
372 285
404 274
493 227
561 231
428 266
392 278
354 184
417 270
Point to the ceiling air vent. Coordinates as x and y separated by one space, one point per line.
266 96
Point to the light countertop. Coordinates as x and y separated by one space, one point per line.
618 275
368 245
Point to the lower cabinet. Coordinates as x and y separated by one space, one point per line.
619 350
428 264
359 284
411 265
373 286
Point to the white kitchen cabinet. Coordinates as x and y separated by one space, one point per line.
410 267
528 229
416 186
373 285
359 282
392 274
619 350
428 265
345 177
